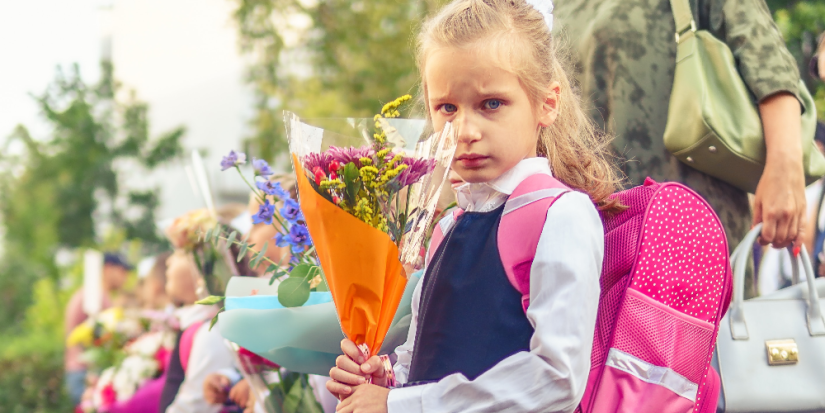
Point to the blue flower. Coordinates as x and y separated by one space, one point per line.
291 211
265 212
297 238
273 188
232 160
261 168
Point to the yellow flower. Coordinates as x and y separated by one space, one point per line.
315 281
83 334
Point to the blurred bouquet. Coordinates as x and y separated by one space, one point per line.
103 336
143 359
367 205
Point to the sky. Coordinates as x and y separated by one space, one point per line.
179 56
36 36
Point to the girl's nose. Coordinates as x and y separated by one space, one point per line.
467 129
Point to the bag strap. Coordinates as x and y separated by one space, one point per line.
521 225
186 341
683 16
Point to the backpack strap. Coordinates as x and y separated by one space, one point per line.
186 341
520 229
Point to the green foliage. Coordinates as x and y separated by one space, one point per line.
346 55
32 362
800 23
293 394
50 192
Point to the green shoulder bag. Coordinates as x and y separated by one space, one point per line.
713 123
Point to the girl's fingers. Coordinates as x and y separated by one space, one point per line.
350 349
346 377
338 389
345 363
373 366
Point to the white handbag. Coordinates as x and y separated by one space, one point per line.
771 351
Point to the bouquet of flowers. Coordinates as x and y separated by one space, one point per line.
368 189
144 359
103 336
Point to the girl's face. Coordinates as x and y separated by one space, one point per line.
181 274
496 123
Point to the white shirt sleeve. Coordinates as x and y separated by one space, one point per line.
564 299
209 355
405 351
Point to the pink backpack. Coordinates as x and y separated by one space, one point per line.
665 285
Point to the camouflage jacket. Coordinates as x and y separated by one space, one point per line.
626 56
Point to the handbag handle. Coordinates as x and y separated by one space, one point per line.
739 260
683 17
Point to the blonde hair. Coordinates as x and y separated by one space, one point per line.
518 40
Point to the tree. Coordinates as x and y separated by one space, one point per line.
52 190
327 58
800 23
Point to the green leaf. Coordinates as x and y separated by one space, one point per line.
300 271
242 252
278 274
231 239
212 299
271 269
208 236
293 292
215 319
352 180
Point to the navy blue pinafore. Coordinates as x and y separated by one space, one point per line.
470 316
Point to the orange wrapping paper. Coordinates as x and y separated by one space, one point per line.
360 264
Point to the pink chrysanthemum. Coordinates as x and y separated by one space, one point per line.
417 168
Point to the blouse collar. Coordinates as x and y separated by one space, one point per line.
190 314
487 196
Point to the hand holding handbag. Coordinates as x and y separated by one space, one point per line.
771 352
713 124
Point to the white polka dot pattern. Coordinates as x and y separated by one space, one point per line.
683 259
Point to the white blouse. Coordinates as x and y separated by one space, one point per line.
209 355
564 298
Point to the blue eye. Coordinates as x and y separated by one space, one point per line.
492 104
449 108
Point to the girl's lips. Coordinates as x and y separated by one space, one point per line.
472 161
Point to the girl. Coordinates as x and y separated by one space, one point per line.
491 68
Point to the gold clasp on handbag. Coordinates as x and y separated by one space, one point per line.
782 352
692 29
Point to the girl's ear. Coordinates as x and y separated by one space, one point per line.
549 109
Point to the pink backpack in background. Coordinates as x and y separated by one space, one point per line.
665 285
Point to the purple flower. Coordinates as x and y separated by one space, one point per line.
297 238
265 212
317 160
350 154
232 160
273 188
291 211
261 168
416 169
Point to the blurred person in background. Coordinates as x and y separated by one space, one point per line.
152 287
206 352
627 56
115 272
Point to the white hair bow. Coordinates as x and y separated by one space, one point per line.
545 7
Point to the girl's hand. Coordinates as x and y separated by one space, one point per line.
352 370
240 393
368 398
